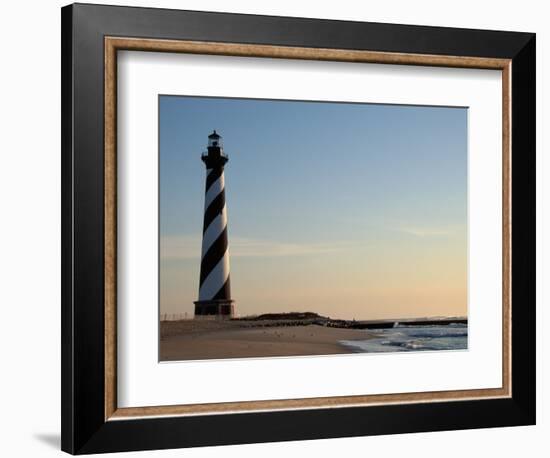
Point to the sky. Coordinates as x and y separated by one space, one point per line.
353 211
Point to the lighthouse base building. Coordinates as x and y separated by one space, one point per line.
218 309
214 289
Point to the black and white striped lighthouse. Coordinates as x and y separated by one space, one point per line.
214 287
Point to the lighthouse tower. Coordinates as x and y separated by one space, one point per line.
214 288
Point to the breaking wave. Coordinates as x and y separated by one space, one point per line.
413 338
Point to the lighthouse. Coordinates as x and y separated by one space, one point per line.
214 285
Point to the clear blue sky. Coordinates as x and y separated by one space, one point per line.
351 210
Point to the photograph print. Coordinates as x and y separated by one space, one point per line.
298 228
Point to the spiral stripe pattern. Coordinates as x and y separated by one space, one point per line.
214 272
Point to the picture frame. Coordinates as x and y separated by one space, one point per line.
92 35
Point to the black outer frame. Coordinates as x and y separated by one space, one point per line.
84 429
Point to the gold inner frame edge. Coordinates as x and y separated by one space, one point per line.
114 44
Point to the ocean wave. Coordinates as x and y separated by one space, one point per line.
416 338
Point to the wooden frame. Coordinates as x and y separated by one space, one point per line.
95 423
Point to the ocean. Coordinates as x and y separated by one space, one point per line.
413 338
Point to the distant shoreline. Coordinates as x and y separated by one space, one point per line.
305 318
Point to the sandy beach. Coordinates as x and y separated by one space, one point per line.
192 340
